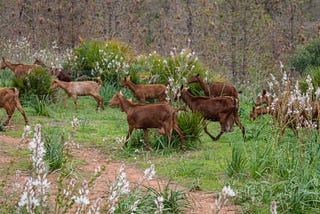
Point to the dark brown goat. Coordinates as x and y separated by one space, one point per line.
264 98
144 91
265 103
215 89
18 69
9 100
144 116
81 88
221 109
61 74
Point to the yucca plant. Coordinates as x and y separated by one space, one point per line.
54 146
40 106
191 125
237 164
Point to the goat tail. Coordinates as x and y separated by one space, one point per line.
15 91
99 80
236 105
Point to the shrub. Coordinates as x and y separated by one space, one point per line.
314 73
6 77
172 71
54 145
108 59
36 83
191 125
306 55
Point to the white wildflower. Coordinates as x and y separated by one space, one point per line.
149 173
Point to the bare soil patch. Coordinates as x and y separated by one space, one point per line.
202 201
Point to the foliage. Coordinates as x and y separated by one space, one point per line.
306 56
108 59
238 161
314 73
172 71
54 146
36 83
40 106
191 125
6 77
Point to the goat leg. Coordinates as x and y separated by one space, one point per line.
65 100
19 107
239 124
102 103
128 135
178 130
212 137
146 136
7 121
75 101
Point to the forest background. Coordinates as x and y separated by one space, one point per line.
242 40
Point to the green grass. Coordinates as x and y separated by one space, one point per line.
204 167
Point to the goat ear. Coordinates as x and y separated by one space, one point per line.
128 77
264 92
181 87
120 93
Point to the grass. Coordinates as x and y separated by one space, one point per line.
204 167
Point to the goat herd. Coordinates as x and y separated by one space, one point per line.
220 103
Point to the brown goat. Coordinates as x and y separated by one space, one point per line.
221 109
18 69
9 100
215 89
144 116
83 88
61 74
144 91
293 121
266 100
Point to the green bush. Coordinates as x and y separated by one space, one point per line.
54 146
306 55
191 125
108 59
173 71
314 73
36 83
6 77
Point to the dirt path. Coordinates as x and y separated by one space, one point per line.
202 201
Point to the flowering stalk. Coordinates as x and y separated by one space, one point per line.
223 197
34 196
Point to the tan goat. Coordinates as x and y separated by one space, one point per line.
144 91
82 88
18 69
9 100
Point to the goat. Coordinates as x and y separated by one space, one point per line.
279 109
18 69
143 91
83 88
215 89
292 120
144 116
61 74
221 109
9 100
264 97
